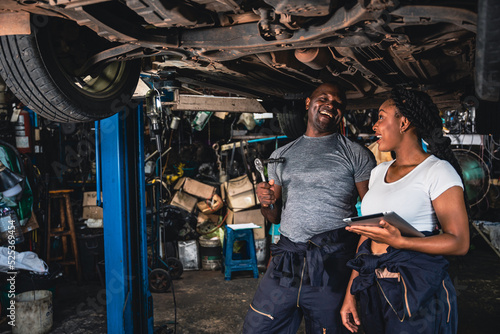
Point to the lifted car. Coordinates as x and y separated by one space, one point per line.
80 60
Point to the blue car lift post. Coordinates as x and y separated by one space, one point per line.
120 164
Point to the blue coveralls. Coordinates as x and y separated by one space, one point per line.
303 279
419 298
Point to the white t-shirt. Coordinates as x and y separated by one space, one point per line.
411 196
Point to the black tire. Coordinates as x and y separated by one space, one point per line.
293 120
487 46
174 268
159 280
42 75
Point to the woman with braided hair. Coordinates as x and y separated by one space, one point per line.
402 282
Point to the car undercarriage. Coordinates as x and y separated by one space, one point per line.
268 49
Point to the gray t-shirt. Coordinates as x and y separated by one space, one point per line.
318 183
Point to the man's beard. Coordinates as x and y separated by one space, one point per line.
330 126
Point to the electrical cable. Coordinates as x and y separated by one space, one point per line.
169 147
232 127
160 201
163 184
490 148
175 307
493 140
160 170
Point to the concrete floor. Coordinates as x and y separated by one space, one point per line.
206 303
211 305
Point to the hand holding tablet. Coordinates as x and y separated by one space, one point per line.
391 217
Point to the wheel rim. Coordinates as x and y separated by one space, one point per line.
103 84
159 280
66 51
175 268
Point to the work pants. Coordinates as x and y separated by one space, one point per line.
300 284
404 292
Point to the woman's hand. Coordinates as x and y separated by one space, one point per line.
349 313
266 193
384 233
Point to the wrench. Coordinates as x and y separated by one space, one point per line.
260 168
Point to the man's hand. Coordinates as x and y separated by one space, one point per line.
265 193
349 314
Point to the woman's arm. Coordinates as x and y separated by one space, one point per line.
452 215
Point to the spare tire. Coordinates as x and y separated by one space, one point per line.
40 69
293 119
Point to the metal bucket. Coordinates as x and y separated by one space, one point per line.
33 312
210 253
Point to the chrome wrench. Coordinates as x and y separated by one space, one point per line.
260 168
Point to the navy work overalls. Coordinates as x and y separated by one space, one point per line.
303 279
404 291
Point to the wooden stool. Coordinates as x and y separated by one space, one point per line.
65 228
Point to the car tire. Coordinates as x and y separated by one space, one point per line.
293 120
34 74
487 46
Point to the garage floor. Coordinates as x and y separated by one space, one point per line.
206 303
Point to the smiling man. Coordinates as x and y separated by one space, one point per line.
311 192
325 110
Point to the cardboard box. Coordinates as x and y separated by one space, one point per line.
211 206
208 218
240 193
195 188
32 223
94 212
246 217
90 198
184 201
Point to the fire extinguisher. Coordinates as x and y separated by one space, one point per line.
23 132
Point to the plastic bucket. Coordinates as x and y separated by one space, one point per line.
210 253
33 312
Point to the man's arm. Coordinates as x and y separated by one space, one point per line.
349 312
269 195
362 188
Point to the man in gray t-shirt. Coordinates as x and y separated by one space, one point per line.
318 181
309 195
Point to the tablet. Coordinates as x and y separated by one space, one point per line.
391 217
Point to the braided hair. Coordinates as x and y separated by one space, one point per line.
423 114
